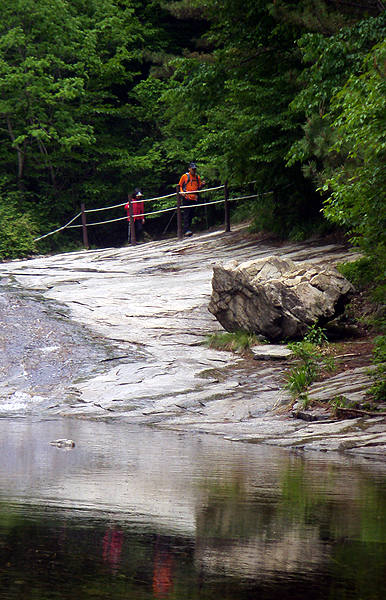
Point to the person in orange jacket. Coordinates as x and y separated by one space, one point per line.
190 182
138 214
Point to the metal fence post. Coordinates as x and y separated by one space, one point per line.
179 213
226 208
84 227
133 239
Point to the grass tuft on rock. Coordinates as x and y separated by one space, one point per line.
239 341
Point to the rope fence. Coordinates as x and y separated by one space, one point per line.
179 207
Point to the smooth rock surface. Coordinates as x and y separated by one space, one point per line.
154 298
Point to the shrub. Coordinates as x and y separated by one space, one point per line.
316 335
302 376
17 230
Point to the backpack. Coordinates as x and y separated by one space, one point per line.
188 181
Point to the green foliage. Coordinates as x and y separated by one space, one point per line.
227 107
339 401
310 357
380 349
298 380
66 74
316 335
377 392
360 272
315 15
329 63
365 274
17 230
292 212
99 97
358 187
343 147
302 375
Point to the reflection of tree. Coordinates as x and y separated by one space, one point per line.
163 571
229 511
112 548
299 522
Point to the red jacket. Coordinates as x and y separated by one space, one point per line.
138 210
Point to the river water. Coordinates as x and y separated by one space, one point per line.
139 513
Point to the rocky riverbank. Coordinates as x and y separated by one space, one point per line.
148 304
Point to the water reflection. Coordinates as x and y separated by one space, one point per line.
143 514
163 570
112 547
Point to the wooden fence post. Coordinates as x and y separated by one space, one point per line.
133 239
226 208
179 213
84 227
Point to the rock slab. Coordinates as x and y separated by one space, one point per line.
277 298
271 352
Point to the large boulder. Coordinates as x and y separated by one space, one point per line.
277 298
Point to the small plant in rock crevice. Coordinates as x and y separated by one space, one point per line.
297 381
378 389
302 375
337 402
304 400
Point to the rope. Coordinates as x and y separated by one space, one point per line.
56 230
157 212
91 210
125 218
203 204
244 197
99 223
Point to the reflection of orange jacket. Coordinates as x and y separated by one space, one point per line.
190 183
163 574
138 210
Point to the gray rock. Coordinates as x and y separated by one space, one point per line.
277 298
311 414
63 444
351 385
271 352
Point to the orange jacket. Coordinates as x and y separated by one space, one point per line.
190 183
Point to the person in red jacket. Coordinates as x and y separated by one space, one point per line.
190 182
138 214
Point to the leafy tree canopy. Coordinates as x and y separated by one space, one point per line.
98 96
66 69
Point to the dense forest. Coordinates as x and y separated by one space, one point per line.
285 100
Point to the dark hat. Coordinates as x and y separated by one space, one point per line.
192 165
137 192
